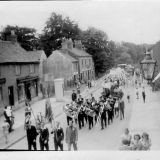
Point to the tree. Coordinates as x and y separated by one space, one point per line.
96 43
25 36
57 28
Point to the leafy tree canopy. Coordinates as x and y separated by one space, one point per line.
58 27
97 44
25 36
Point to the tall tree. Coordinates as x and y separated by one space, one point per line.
25 36
97 44
57 28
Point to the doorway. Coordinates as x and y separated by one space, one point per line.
28 91
11 95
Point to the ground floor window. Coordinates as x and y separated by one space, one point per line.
21 92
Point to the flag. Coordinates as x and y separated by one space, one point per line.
48 111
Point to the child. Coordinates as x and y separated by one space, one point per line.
5 127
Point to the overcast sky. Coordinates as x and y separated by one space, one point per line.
137 22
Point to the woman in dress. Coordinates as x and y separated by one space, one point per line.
146 142
136 143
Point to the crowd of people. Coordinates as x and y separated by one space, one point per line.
80 112
135 142
91 111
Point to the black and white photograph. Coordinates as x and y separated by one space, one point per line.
80 76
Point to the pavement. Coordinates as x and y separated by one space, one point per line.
39 106
145 117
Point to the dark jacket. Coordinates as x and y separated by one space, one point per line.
44 135
74 96
31 133
58 135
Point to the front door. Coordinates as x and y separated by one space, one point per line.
11 95
27 91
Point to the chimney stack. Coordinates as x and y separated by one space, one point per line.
12 37
78 44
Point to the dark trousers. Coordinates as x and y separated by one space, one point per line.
144 98
68 119
44 145
103 121
58 144
32 144
10 124
80 120
90 120
110 117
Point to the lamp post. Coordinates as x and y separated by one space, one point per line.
148 67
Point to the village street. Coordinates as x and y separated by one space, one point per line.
139 117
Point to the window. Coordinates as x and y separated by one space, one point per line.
21 93
1 96
31 68
18 70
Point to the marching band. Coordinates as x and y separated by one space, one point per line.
92 111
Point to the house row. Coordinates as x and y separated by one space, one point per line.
20 73
71 62
26 74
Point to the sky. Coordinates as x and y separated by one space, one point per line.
131 21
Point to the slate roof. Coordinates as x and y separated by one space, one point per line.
79 53
11 52
68 56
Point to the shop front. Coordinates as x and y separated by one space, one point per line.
27 87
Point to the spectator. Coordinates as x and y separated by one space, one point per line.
136 143
9 117
5 127
71 136
143 94
146 142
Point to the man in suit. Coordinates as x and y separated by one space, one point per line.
44 137
71 136
74 96
103 116
31 136
58 137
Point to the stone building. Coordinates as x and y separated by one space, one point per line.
19 74
75 49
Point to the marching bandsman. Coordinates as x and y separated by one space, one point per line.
81 118
90 118
103 115
74 96
80 100
110 111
